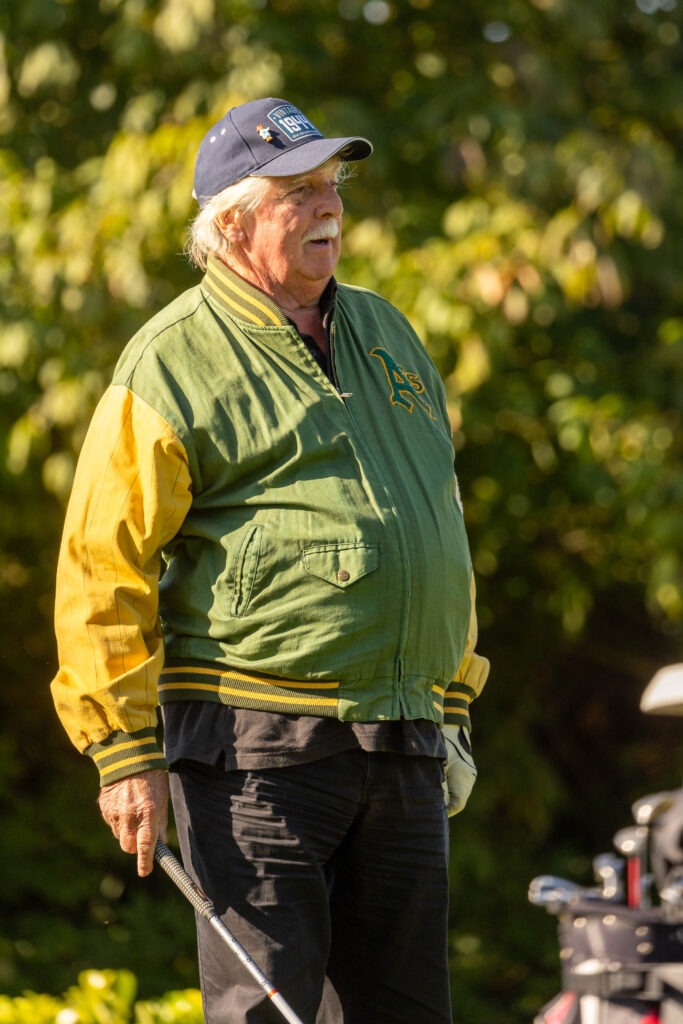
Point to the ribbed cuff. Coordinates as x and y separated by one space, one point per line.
456 705
465 687
123 754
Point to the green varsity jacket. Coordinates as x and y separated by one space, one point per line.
244 530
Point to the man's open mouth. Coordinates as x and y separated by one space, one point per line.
323 234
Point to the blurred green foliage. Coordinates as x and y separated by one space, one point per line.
102 997
524 207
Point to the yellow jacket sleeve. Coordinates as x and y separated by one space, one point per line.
131 492
470 678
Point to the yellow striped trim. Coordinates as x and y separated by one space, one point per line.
438 693
144 748
284 698
457 701
117 766
460 691
231 685
123 754
241 311
247 677
230 289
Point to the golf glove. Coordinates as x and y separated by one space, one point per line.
460 772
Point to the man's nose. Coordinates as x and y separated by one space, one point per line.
330 204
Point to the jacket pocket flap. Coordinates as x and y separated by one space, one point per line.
340 564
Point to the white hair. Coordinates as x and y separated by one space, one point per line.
205 237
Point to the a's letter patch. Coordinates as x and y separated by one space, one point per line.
405 388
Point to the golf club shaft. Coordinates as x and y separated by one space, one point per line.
205 908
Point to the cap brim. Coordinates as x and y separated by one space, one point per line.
310 155
664 693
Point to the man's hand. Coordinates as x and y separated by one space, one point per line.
136 810
461 771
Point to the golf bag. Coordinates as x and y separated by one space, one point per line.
621 943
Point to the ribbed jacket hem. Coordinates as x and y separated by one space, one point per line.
198 680
359 701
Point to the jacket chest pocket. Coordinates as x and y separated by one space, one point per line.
342 565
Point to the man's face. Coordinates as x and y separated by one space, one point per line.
292 240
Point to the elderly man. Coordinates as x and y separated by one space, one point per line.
278 445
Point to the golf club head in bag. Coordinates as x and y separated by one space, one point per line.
555 893
671 893
608 871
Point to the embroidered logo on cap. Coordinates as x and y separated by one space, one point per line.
292 123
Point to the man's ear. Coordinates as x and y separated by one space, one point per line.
229 223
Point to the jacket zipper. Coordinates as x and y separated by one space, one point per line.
402 543
330 356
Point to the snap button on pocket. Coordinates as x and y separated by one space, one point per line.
325 560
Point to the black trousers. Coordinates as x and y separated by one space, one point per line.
333 876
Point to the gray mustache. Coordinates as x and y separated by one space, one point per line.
329 230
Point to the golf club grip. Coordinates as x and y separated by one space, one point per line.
177 873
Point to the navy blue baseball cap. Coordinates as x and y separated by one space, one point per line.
265 138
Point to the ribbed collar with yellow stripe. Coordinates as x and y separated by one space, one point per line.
244 301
